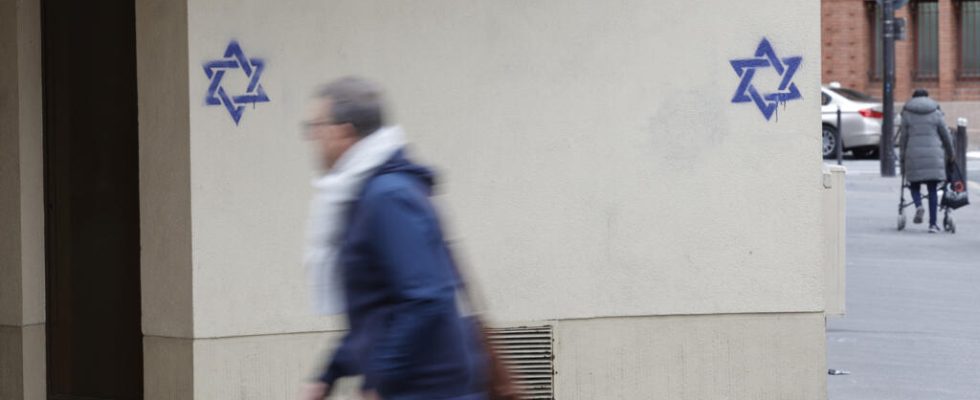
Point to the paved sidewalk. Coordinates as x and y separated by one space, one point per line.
912 329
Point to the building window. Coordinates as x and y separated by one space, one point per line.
970 39
927 40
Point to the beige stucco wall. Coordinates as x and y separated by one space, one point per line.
594 169
752 356
593 166
22 315
258 367
589 153
741 356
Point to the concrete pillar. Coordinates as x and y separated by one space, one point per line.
835 233
165 211
22 351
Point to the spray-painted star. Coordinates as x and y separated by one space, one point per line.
765 57
235 59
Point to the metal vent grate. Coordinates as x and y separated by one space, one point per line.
528 353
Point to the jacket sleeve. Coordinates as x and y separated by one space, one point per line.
408 241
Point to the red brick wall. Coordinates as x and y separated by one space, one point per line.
848 52
846 41
948 43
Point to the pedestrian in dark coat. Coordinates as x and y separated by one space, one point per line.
926 149
376 230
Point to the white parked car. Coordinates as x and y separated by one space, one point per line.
861 117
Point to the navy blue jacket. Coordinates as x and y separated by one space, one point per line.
407 335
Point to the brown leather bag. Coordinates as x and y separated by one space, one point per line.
500 381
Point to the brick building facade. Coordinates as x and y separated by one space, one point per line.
941 51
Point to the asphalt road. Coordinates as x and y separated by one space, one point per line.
912 329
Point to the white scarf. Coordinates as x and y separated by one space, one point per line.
335 192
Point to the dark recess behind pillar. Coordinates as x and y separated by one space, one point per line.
94 337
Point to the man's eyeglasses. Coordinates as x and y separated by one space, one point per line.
308 127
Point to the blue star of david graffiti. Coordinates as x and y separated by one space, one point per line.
235 59
765 57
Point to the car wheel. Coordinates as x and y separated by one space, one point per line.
829 141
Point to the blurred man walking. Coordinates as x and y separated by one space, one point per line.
376 239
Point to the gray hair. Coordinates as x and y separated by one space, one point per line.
356 101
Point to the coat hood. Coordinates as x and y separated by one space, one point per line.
400 164
921 105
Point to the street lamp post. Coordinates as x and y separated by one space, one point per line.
887 150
